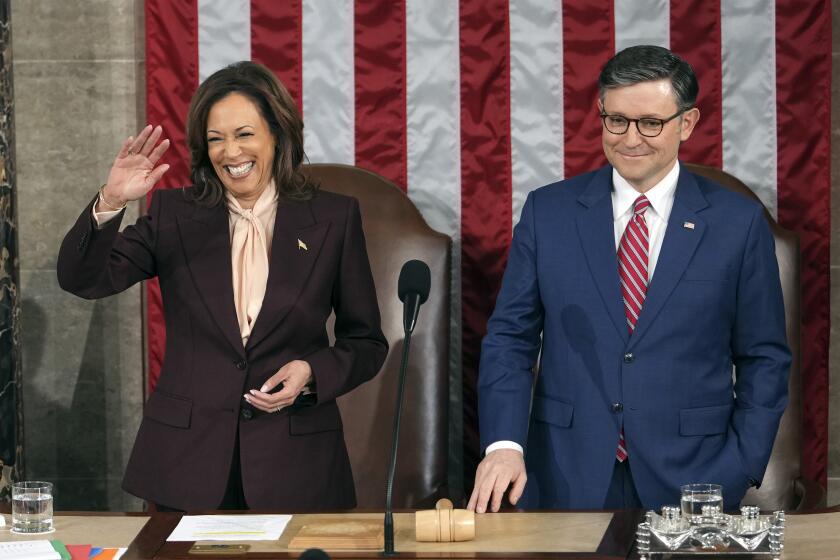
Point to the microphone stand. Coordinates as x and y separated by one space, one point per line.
408 323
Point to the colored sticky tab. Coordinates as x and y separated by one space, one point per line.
60 549
107 554
79 551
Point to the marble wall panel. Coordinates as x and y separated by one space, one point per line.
74 30
76 71
72 116
833 496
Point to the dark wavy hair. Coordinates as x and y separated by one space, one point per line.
276 106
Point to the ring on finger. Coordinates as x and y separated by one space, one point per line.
131 152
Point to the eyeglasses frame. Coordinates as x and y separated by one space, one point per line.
662 122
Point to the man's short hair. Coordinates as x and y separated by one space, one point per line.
645 63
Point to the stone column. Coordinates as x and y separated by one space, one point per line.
11 408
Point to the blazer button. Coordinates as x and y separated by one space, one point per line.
629 357
241 364
247 414
617 407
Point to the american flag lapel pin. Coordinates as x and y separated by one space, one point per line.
302 246
688 225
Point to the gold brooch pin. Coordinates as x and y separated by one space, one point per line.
688 225
302 245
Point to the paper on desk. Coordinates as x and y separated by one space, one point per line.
230 528
28 550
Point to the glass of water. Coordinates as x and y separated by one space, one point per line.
32 507
695 496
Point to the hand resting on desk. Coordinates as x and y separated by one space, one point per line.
498 470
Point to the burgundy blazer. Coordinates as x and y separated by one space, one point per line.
293 459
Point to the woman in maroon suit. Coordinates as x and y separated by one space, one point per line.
251 261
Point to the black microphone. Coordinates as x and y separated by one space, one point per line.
314 554
413 290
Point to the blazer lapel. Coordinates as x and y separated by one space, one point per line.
206 240
297 241
677 250
595 228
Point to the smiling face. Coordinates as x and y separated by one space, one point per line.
241 147
644 161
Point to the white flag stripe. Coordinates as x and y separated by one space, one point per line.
642 22
433 112
433 128
536 97
224 34
328 81
748 45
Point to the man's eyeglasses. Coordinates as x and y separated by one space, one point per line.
647 126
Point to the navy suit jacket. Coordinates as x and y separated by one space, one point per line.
714 302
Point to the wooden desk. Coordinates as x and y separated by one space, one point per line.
109 530
521 536
594 535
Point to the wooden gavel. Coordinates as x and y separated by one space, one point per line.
444 524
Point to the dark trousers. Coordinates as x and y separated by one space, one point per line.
234 497
622 493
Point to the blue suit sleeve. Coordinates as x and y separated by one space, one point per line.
510 349
760 351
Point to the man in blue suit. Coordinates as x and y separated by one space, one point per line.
639 286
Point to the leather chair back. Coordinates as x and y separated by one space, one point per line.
395 232
779 489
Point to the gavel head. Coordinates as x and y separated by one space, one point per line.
444 524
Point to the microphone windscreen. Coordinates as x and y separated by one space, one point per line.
314 554
415 278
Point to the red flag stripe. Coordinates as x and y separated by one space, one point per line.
485 185
380 89
588 43
803 98
695 35
171 79
276 42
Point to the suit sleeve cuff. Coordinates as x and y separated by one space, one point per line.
101 218
504 444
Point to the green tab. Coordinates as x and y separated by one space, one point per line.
61 549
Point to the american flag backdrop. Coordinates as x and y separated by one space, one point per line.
468 105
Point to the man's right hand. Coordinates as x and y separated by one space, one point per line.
498 470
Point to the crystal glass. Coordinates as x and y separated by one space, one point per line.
32 507
711 528
695 496
671 528
750 528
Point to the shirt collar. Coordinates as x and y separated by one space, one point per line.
661 195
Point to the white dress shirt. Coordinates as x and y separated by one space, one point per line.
661 197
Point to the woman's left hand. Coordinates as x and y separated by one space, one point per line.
294 376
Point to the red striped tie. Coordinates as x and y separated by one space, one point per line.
633 272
